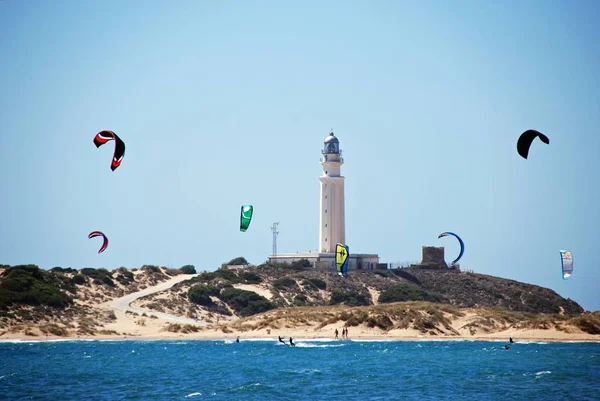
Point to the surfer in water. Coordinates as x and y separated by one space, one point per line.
507 347
237 340
511 340
292 343
281 340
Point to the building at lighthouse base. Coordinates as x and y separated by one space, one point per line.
356 261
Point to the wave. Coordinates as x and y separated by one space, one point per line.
305 345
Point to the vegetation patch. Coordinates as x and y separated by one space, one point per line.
285 283
251 278
349 298
59 269
315 282
240 260
53 329
200 294
405 292
180 328
188 269
28 284
245 303
588 323
124 276
229 275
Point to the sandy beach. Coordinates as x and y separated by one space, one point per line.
154 329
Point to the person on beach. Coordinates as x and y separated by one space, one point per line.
281 340
336 333
292 343
346 333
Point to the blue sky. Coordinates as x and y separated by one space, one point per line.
227 103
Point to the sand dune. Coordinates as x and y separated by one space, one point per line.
421 321
123 304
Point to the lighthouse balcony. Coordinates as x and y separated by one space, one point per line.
331 158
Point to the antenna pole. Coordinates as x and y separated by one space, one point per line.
275 232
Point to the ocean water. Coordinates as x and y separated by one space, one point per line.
313 370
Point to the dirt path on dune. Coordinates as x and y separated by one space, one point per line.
124 303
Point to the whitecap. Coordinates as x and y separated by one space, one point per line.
304 345
544 372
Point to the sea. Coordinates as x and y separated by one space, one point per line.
264 369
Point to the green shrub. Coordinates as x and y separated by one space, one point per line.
240 260
246 303
406 292
54 329
125 273
108 281
79 279
188 269
29 285
200 294
251 278
587 324
206 276
302 264
228 275
300 300
350 298
381 321
356 318
151 269
284 283
124 276
320 284
59 269
95 273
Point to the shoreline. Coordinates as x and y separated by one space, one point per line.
231 337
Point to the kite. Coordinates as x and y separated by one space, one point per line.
526 139
104 136
566 261
342 252
246 217
462 245
99 234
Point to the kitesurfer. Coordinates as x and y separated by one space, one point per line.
507 347
281 340
292 343
237 340
511 340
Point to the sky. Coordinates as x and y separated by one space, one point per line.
227 103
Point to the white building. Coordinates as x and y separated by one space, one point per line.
332 216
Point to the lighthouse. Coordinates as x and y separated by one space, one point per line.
332 218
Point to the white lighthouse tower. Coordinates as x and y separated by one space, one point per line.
332 220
